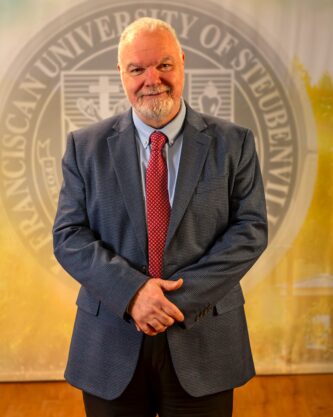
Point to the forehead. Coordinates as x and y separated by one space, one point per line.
156 45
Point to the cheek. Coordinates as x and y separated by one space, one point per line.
177 86
132 87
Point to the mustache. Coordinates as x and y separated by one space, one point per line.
153 91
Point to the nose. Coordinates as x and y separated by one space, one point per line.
152 76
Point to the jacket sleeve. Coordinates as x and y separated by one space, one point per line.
106 275
235 250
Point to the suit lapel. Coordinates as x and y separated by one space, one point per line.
124 156
193 155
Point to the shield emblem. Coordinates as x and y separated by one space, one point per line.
210 92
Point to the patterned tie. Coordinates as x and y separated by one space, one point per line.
158 206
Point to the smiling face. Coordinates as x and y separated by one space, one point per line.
152 73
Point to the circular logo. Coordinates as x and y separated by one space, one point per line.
66 79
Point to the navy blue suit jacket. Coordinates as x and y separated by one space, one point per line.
217 230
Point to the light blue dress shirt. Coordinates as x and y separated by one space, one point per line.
172 148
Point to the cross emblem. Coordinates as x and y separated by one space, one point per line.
104 89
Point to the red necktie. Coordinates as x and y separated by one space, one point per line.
158 206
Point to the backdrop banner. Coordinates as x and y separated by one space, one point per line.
266 64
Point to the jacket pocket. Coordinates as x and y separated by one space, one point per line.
233 299
87 303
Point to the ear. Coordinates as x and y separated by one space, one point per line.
118 67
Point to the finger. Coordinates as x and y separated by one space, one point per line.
161 316
150 331
171 285
172 310
157 326
165 319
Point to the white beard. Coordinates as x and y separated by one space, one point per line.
155 109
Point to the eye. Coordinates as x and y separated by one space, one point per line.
136 71
165 67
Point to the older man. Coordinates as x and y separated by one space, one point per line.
160 215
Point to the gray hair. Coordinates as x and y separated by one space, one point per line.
145 24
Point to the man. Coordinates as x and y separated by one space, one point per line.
160 215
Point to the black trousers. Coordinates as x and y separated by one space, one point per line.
155 389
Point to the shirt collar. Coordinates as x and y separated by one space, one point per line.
171 130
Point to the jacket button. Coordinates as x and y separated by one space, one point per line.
143 269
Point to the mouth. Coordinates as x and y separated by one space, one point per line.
153 93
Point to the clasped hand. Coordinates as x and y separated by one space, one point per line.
151 311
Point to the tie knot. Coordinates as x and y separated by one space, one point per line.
157 140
